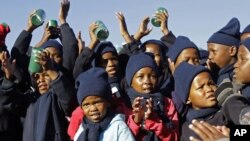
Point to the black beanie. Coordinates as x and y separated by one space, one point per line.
138 61
229 35
183 76
53 43
246 43
93 82
179 45
163 47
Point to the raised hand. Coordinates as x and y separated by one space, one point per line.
93 39
162 17
80 42
30 27
123 27
143 29
8 66
46 36
48 65
63 12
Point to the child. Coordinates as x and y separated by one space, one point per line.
100 122
183 50
195 88
224 43
154 116
245 33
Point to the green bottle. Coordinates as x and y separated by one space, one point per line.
154 20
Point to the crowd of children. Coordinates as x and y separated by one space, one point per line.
159 90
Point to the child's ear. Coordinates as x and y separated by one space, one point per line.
188 101
233 51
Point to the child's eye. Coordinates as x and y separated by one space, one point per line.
85 106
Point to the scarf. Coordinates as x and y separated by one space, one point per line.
114 83
158 107
93 130
44 120
202 113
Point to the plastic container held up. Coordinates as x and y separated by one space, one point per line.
35 67
101 31
154 19
38 17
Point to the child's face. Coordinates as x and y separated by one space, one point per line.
154 49
95 108
42 81
109 62
189 55
55 55
242 66
202 90
144 81
220 54
244 36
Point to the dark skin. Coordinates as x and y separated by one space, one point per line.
144 81
110 63
48 74
216 51
242 66
189 55
208 132
155 50
201 94
95 108
244 36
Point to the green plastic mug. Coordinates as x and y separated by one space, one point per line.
52 23
35 67
154 20
37 17
101 31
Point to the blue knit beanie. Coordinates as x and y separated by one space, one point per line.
53 43
138 61
203 56
179 45
183 76
93 82
246 43
163 47
228 35
246 30
101 48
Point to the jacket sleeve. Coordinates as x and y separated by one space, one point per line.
83 61
168 39
160 129
70 47
19 51
66 94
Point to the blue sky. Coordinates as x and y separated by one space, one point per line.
196 19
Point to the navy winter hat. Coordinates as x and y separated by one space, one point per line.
93 82
246 43
183 76
138 61
246 30
163 47
54 44
228 35
203 56
102 48
179 45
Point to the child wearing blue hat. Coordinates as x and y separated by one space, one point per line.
222 47
100 121
154 116
245 33
195 89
